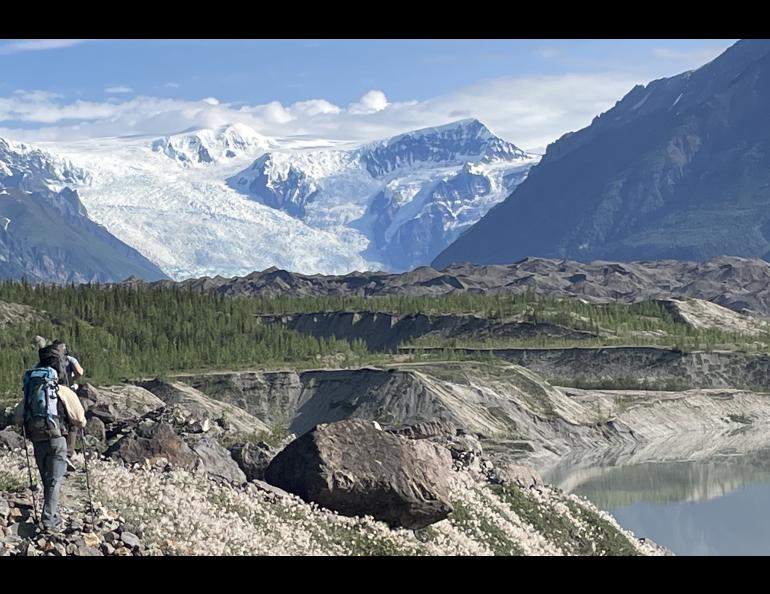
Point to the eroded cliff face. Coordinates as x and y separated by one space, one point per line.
513 410
638 366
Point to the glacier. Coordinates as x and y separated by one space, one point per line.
229 201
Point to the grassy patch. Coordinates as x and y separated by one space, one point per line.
9 482
480 528
601 538
607 539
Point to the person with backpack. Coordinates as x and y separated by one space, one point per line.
48 412
69 371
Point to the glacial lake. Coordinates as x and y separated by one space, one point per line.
715 505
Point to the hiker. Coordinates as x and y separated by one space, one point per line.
68 367
48 412
69 371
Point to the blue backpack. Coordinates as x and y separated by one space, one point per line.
41 398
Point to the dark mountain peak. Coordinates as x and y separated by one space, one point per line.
678 169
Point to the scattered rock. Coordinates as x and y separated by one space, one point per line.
117 403
96 429
22 529
130 539
399 481
11 440
193 410
427 429
107 549
505 473
268 488
86 551
159 440
216 461
253 459
91 539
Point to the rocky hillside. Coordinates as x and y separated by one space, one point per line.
48 236
275 456
156 453
678 168
739 284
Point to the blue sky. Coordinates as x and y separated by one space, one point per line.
347 89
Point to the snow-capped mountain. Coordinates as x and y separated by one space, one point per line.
46 233
466 141
185 218
212 146
216 202
409 196
29 168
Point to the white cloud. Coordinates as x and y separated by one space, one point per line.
371 102
689 58
315 107
529 111
171 85
30 45
119 89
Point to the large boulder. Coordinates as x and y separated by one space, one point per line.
113 404
253 459
11 440
464 448
95 428
356 469
216 461
151 442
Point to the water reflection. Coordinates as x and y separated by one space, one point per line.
712 500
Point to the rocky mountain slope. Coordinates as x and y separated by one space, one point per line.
677 169
48 236
157 458
740 284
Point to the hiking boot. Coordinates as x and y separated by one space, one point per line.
53 530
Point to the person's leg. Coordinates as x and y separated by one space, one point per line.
51 458
57 462
42 452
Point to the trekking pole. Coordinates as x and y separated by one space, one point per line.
88 482
32 486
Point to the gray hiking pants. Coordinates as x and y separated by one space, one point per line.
51 458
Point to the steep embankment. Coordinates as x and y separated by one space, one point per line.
635 366
385 331
512 409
